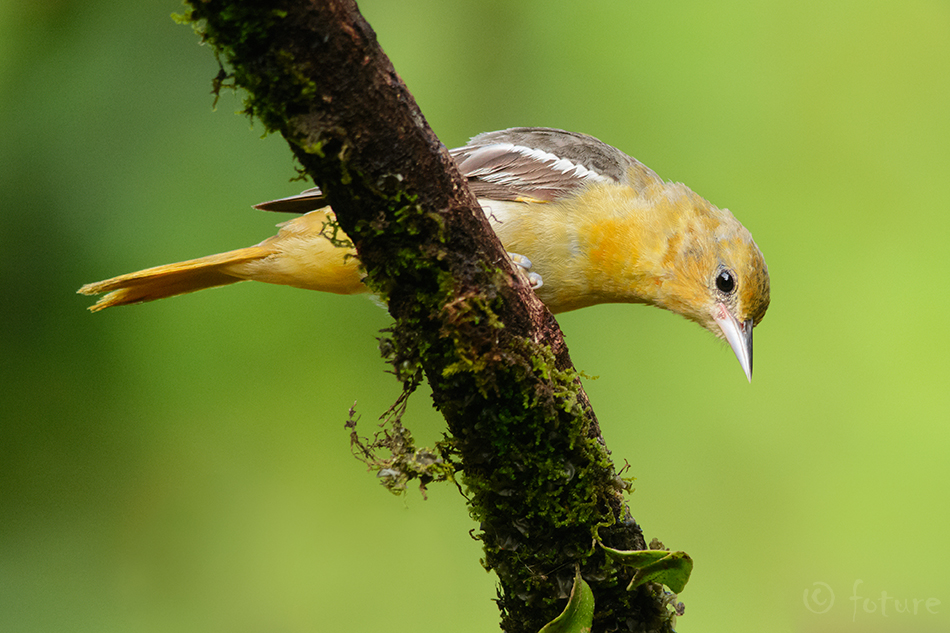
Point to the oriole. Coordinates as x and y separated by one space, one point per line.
592 224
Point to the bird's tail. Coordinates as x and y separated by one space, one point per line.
172 279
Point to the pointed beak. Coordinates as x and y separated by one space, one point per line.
739 335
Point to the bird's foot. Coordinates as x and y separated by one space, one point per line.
523 264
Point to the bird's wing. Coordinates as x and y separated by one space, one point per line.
537 164
522 164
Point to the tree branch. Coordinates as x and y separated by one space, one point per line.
531 453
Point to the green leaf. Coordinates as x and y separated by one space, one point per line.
578 615
669 568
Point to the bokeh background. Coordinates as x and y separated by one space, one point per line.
183 466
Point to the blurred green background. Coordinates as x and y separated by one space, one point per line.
183 466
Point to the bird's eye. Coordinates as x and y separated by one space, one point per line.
726 281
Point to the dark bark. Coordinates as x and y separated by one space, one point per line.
530 450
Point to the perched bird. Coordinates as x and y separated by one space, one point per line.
592 225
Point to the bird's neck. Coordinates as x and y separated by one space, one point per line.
629 246
625 257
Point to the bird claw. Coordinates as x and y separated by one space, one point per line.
523 264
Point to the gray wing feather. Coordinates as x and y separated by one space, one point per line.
538 163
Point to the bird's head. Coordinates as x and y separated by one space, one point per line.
717 277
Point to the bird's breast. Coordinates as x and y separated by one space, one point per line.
586 249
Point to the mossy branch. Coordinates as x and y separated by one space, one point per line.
539 476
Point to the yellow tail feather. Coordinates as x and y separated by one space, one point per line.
172 279
307 252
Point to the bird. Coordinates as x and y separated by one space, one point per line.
586 223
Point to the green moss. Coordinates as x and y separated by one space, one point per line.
241 32
394 457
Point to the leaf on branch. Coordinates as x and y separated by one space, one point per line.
578 615
661 566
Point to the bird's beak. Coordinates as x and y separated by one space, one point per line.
739 335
